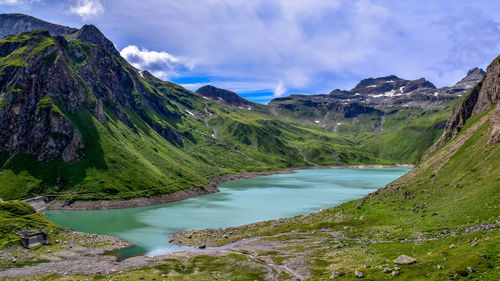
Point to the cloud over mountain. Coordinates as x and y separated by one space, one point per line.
161 64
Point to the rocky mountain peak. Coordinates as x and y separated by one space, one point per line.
384 90
473 76
11 24
476 71
223 96
91 34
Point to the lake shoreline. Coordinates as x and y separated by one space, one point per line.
40 205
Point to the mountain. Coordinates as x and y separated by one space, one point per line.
468 82
438 222
392 118
392 91
224 96
77 121
11 24
387 90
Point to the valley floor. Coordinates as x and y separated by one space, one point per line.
321 254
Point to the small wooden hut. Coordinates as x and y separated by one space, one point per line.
33 238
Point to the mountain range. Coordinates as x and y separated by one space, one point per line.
77 121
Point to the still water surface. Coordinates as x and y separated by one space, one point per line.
239 202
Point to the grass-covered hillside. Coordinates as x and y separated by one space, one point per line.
18 216
79 122
444 216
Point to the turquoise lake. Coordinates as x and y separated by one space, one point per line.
239 202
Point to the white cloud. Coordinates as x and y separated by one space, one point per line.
17 2
280 90
287 40
161 64
10 2
87 8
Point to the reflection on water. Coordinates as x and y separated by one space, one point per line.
239 202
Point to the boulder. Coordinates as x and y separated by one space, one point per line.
359 274
404 259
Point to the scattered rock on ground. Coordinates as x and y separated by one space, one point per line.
452 246
334 275
359 274
387 270
404 259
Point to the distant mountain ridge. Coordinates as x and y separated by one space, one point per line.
224 96
394 91
11 24
77 121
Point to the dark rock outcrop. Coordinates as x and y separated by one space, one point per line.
91 34
30 120
53 78
19 23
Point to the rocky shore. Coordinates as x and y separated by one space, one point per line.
40 203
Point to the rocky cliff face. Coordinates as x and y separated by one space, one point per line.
44 78
30 121
11 24
482 97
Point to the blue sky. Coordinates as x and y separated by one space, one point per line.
269 48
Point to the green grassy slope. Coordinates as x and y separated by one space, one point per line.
152 137
398 134
444 214
406 134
